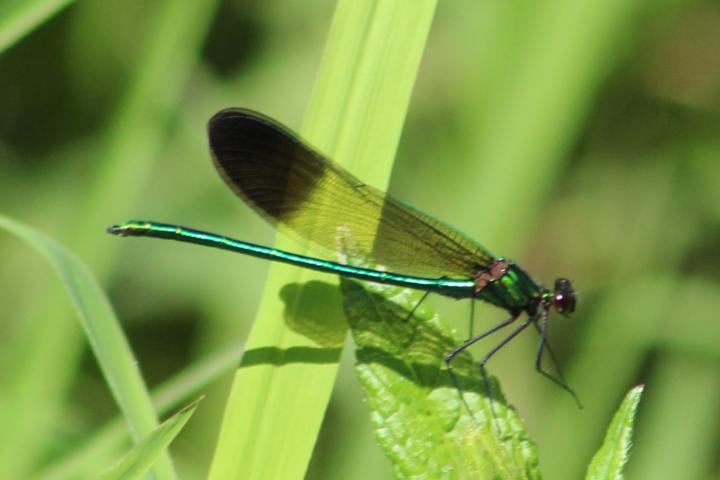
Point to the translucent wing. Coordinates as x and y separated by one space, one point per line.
289 183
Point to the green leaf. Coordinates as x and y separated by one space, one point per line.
420 420
107 340
355 116
139 460
609 461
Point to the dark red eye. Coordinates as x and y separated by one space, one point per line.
565 298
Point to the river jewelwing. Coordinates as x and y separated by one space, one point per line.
291 184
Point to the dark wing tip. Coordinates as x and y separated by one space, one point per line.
229 114
263 162
229 132
237 118
234 130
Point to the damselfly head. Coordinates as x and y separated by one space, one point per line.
565 298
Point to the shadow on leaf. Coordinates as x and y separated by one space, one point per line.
414 347
315 310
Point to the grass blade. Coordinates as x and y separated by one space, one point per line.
101 327
355 116
109 439
19 18
132 143
139 460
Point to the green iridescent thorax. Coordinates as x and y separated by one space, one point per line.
507 286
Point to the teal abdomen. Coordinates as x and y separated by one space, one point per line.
514 290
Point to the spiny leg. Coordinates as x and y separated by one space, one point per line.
467 344
545 345
492 352
410 315
472 319
505 341
419 302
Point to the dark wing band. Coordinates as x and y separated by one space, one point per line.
289 183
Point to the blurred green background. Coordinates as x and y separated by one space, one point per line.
597 120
